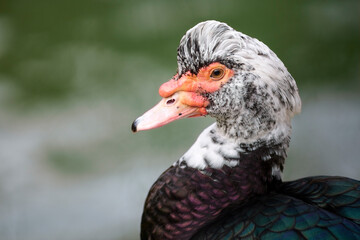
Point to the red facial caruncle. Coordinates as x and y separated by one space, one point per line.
183 96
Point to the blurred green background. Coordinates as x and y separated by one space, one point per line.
75 74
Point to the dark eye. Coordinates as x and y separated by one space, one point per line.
217 74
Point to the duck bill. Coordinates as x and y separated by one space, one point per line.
170 109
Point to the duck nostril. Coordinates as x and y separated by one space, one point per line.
170 101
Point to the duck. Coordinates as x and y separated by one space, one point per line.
229 185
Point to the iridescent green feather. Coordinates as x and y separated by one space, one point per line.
309 208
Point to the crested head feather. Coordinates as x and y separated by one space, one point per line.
258 71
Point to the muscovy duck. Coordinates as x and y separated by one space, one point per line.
228 184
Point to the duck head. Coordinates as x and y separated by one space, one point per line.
232 77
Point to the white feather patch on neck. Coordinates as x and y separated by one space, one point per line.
214 149
207 152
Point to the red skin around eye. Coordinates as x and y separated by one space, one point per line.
183 97
200 83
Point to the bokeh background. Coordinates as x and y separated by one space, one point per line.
75 74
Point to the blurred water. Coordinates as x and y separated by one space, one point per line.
39 201
326 137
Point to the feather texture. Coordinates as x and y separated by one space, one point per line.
278 216
339 195
185 199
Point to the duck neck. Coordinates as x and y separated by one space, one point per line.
216 147
214 174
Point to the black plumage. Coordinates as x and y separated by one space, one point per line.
246 202
309 208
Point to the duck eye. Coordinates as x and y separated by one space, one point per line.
217 74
